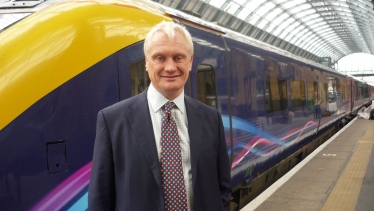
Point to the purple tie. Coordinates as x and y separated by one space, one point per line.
171 164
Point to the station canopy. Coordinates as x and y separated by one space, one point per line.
313 29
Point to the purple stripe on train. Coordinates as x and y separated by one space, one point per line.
64 192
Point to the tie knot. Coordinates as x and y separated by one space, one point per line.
168 106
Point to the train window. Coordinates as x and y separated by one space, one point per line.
338 91
139 77
332 89
360 91
366 90
312 91
297 93
323 92
343 93
275 94
206 85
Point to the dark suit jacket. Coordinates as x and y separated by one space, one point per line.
126 173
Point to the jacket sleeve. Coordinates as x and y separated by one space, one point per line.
224 168
101 192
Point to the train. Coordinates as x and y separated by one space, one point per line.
63 61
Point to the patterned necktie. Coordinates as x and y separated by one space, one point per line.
175 198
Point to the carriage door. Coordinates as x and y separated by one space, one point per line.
208 81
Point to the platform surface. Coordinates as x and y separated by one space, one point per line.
339 175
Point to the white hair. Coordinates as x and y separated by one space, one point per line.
170 29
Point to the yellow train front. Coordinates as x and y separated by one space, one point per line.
58 67
63 61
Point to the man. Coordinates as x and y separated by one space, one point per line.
134 162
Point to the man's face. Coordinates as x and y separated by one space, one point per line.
168 64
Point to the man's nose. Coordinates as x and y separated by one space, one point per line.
170 64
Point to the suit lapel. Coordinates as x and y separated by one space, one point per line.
195 130
141 125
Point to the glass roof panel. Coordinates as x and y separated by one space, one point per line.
277 31
323 31
315 20
273 14
294 38
318 51
262 24
264 9
317 25
299 32
305 13
283 34
240 2
281 1
8 19
295 10
297 42
302 32
217 3
270 27
294 25
232 7
291 35
254 19
306 41
301 8
305 6
285 25
243 14
254 4
279 19
288 4
288 37
291 4
302 38
307 17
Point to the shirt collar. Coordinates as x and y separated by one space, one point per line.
157 100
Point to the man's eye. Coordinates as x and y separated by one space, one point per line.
179 59
159 59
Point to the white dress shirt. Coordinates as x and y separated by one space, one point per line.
156 101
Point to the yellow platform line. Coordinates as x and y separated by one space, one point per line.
346 191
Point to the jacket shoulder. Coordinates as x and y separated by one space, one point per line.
124 106
199 105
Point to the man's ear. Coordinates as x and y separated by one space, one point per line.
191 60
146 64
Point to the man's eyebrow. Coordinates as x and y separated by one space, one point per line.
157 54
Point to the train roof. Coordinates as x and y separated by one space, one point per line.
242 38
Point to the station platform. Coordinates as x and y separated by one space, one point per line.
339 175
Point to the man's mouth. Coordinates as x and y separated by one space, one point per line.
170 76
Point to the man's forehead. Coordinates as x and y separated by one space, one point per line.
160 40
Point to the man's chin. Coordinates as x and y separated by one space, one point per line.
172 90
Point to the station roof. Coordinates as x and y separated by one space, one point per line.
309 28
